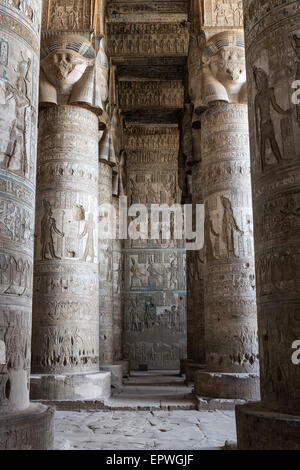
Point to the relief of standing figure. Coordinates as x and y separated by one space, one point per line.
16 153
264 101
209 229
48 226
229 226
88 230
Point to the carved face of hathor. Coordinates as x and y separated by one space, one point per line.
64 68
229 66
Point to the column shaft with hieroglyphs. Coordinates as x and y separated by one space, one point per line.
109 150
19 74
195 297
192 194
118 274
231 346
273 54
229 281
106 271
65 332
73 88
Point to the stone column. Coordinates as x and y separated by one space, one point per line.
118 299
195 298
66 305
192 191
117 291
106 273
229 278
273 38
22 425
106 278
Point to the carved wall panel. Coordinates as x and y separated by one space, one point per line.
146 94
147 39
152 186
155 329
155 270
146 146
65 312
272 37
151 11
70 15
222 13
229 278
155 283
19 71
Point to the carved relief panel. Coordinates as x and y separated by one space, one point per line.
166 94
155 270
157 145
155 328
151 11
70 15
147 39
19 67
220 13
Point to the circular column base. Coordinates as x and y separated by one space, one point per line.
116 371
227 385
260 429
74 387
31 429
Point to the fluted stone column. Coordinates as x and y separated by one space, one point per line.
106 280
195 297
22 425
229 279
273 38
66 304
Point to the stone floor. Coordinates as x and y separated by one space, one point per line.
153 411
141 430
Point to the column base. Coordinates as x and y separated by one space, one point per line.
227 385
94 386
125 367
31 429
116 371
260 429
190 369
